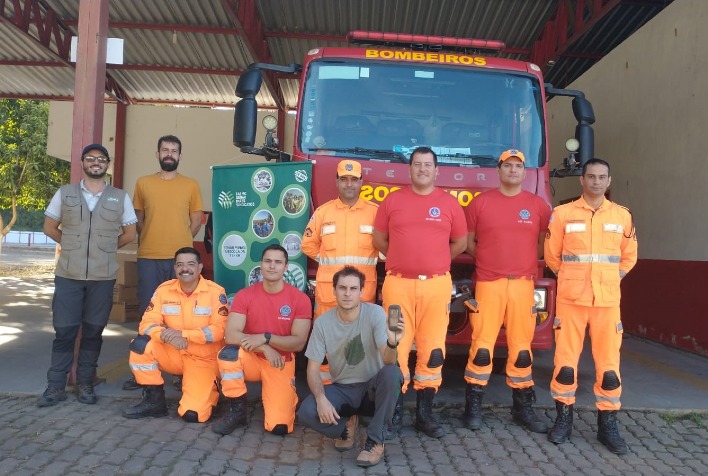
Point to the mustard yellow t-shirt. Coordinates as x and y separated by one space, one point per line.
167 205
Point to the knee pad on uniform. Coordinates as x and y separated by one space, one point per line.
229 353
280 430
523 360
482 358
436 359
610 380
139 344
190 416
566 376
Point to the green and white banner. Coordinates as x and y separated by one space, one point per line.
256 205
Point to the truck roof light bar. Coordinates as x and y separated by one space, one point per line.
434 43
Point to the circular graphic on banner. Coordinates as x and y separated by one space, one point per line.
295 275
294 201
263 223
232 250
292 244
255 276
262 180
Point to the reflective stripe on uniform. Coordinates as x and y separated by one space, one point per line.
525 378
170 310
603 398
144 367
562 394
232 376
341 260
208 334
591 258
146 332
366 229
470 374
423 378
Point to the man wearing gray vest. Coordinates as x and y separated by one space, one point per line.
90 220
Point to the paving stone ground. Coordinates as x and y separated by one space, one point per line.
76 439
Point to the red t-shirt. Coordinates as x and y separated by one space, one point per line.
507 231
419 229
272 313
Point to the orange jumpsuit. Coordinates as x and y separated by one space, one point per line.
339 235
590 250
201 317
420 229
506 230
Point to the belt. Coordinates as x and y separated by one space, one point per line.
512 276
421 277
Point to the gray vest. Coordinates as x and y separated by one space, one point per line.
89 240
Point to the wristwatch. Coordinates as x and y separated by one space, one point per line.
267 336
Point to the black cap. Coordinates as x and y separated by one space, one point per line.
95 147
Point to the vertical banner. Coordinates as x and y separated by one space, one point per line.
256 205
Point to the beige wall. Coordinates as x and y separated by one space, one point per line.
651 104
206 136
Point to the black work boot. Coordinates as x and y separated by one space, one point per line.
235 417
608 434
396 424
153 404
522 411
424 420
472 418
563 426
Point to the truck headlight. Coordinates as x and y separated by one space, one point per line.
539 298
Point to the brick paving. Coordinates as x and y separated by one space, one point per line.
76 439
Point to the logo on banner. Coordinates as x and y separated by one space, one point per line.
226 199
301 175
295 276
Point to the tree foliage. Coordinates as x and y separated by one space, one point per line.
28 176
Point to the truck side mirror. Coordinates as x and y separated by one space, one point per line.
582 110
246 110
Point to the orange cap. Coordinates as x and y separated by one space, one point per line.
507 154
349 167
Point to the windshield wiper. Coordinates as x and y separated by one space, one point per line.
377 153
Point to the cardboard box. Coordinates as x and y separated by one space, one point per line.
124 312
124 254
127 273
123 293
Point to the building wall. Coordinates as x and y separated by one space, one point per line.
651 106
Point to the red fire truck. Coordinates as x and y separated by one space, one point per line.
378 101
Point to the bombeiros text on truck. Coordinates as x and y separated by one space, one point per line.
378 101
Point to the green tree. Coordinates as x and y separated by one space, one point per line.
28 176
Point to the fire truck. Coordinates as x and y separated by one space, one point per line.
387 94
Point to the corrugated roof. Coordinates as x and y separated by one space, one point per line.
189 51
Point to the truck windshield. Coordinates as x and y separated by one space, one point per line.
365 109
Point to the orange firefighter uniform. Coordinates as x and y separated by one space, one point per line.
339 235
201 316
590 251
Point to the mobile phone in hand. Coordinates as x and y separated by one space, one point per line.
394 312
